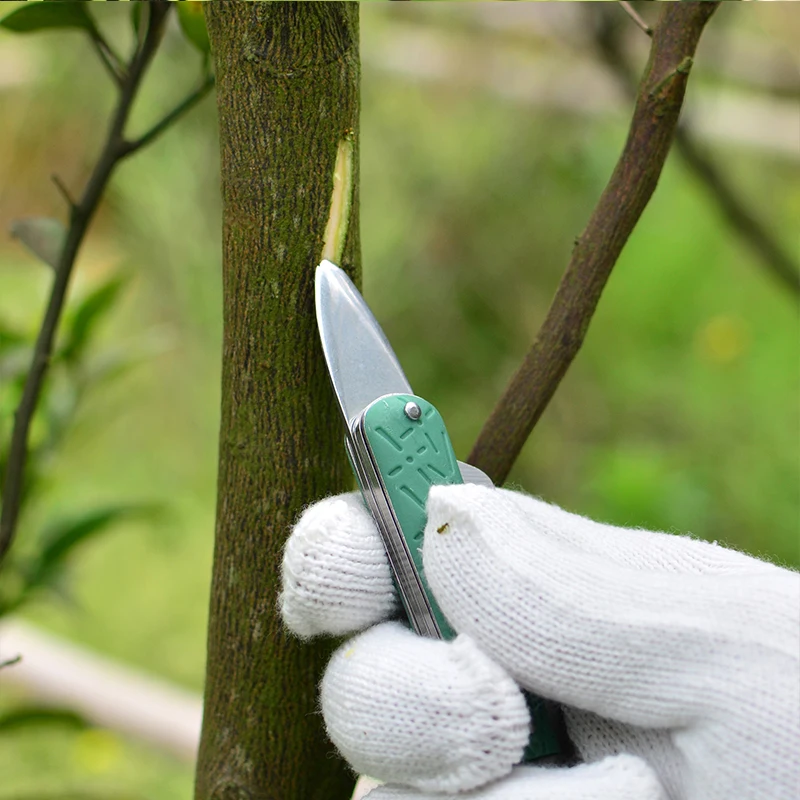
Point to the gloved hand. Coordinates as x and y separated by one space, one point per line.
677 661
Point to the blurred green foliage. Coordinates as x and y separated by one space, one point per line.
36 560
40 552
680 413
32 17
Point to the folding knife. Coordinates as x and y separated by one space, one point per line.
398 448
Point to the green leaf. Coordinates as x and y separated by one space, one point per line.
87 314
43 236
62 536
9 337
12 721
193 24
43 16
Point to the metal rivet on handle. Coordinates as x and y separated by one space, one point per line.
413 411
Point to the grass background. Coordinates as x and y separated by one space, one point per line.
680 413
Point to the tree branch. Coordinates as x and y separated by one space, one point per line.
111 154
65 193
741 219
111 61
655 118
189 102
633 14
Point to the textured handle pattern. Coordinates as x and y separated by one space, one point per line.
412 455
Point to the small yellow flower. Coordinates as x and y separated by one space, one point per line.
722 340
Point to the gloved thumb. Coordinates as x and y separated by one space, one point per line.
575 626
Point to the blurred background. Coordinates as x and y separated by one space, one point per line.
488 132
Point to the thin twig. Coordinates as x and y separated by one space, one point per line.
9 662
185 105
111 61
740 217
65 193
655 118
115 150
632 13
112 153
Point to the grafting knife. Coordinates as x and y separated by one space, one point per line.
398 448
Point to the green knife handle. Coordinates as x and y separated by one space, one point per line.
412 452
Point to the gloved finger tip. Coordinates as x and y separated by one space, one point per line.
435 715
335 574
460 505
619 777
630 776
330 510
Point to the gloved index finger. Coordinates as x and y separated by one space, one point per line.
336 576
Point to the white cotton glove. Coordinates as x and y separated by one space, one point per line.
677 661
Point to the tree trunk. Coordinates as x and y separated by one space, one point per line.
287 93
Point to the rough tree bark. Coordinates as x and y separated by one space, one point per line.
287 93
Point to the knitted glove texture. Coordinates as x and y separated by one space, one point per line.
677 661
